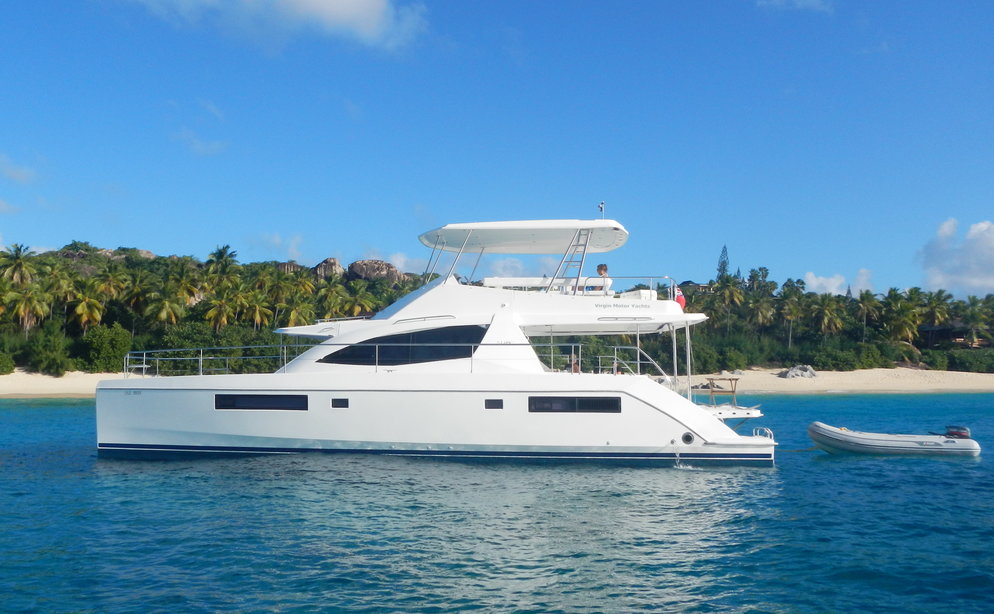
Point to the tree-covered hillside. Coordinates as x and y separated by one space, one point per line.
83 308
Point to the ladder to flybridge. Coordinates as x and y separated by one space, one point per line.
571 264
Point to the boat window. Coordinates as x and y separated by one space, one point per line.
493 404
339 403
445 343
296 402
597 405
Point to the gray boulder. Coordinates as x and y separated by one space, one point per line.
799 371
374 269
329 267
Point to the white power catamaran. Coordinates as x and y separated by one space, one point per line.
451 370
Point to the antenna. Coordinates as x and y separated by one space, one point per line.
601 207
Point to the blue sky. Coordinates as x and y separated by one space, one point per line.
848 143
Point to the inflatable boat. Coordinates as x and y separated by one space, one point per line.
955 441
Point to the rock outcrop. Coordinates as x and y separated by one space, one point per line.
374 269
288 267
329 267
799 371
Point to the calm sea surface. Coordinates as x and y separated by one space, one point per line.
370 534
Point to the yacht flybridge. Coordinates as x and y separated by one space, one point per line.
454 369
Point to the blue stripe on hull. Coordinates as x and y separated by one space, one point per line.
145 450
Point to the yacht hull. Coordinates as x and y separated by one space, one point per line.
469 416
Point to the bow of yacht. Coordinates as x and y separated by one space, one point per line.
455 369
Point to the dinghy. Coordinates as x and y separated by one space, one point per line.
955 441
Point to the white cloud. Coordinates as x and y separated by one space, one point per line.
293 247
956 265
376 23
507 267
882 47
6 207
16 172
406 264
282 247
820 6
836 284
862 281
212 108
197 145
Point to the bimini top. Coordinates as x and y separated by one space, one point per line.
526 237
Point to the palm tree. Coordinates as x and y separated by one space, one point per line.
331 296
16 264
166 304
257 309
304 281
136 293
827 314
792 310
974 318
299 310
359 299
221 260
761 310
280 288
915 296
758 283
222 269
89 310
185 283
901 317
728 291
222 311
4 289
29 304
60 286
935 310
867 307
112 281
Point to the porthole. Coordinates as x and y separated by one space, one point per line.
688 438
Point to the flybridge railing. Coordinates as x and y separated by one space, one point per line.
564 357
212 360
630 359
589 285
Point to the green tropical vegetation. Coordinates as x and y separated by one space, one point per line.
83 308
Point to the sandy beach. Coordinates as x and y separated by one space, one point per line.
74 384
21 384
864 381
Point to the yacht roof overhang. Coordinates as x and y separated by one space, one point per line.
525 237
607 325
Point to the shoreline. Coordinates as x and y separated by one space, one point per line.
899 380
22 384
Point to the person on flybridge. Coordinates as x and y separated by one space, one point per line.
605 281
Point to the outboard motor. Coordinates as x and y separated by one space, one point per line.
957 432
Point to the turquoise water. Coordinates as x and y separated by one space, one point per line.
369 534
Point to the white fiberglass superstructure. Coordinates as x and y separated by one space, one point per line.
451 370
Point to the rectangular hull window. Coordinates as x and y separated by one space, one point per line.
596 405
295 402
493 404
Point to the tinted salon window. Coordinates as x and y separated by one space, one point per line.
445 343
596 405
